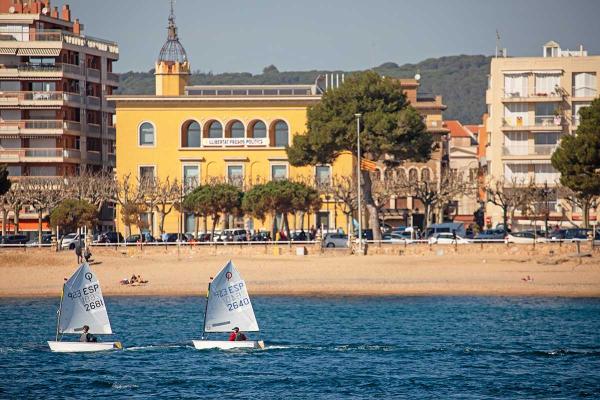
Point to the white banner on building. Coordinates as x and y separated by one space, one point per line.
235 141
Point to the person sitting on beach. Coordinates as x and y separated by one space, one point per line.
86 336
236 335
133 279
140 280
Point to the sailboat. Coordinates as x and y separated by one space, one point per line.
82 304
228 306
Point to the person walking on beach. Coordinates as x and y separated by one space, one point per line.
86 336
236 335
78 252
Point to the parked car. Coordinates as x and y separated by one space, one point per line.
571 235
261 236
233 235
15 239
447 238
446 227
173 237
403 237
46 239
525 237
491 234
110 237
367 234
69 240
335 240
145 238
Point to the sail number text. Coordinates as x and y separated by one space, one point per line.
88 295
237 304
232 296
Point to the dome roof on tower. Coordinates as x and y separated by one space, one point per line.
172 50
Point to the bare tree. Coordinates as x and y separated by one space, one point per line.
167 195
16 198
43 195
128 196
345 193
509 195
434 193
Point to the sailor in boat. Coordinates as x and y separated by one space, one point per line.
86 336
236 335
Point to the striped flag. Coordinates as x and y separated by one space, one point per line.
368 165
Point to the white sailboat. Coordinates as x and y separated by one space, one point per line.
82 304
228 306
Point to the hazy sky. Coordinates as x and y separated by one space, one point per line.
243 35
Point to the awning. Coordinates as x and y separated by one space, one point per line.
7 51
38 52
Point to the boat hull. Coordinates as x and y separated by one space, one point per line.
227 345
81 347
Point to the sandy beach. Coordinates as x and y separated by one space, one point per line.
40 272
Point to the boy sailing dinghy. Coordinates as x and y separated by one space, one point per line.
228 306
82 304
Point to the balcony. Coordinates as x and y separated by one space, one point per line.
94 129
40 155
540 123
93 102
94 156
32 71
16 37
93 73
42 127
535 97
584 93
37 99
111 131
525 152
112 78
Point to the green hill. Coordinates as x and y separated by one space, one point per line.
461 80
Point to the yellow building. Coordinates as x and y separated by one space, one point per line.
237 133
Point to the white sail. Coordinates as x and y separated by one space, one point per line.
83 304
229 305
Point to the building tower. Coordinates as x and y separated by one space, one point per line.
172 67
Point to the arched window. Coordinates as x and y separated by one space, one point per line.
401 174
413 175
215 130
236 130
190 134
146 134
426 175
257 130
280 134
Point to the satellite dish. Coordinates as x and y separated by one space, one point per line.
11 10
45 10
417 76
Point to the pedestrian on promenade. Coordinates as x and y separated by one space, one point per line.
78 252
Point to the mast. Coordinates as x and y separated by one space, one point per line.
206 308
62 294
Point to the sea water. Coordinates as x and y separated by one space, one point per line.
394 347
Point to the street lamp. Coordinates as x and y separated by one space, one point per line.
358 115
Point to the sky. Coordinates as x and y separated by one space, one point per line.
245 36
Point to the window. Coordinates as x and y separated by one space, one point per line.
426 175
516 115
235 175
545 173
189 223
146 221
584 84
516 143
413 175
278 172
545 142
258 130
323 175
281 134
576 108
146 134
323 220
515 85
518 172
191 176
236 130
215 130
146 172
546 114
191 134
546 84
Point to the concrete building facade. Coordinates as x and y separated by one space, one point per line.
532 103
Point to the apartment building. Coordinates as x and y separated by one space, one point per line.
405 210
532 103
54 116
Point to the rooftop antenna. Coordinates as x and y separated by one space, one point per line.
498 50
